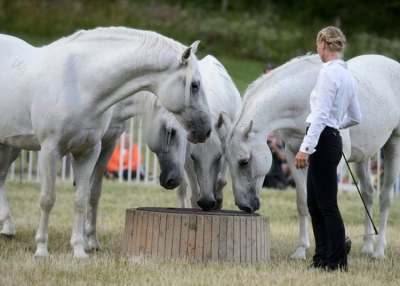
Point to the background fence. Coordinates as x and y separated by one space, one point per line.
26 167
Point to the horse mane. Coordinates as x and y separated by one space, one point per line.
255 85
218 84
148 40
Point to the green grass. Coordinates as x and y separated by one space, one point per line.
109 267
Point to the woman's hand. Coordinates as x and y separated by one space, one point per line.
301 160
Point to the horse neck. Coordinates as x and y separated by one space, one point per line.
109 72
279 105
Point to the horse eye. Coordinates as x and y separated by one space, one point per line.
195 86
244 162
191 156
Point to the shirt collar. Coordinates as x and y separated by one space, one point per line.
340 62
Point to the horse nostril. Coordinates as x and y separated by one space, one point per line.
208 134
247 209
212 205
170 182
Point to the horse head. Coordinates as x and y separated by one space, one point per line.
166 138
181 92
207 162
249 160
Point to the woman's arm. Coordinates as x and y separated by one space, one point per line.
326 88
353 114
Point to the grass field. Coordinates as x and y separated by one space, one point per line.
109 267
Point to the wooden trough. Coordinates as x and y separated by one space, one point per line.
170 233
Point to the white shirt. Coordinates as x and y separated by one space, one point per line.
333 103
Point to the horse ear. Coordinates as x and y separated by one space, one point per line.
223 118
222 126
186 55
247 131
195 46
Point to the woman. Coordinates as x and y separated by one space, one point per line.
334 106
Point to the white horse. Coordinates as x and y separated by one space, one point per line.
280 101
57 99
205 166
163 135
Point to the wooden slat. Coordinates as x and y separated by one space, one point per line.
126 234
243 240
131 219
192 236
215 238
177 236
207 238
268 240
236 239
156 230
161 235
262 240
248 241
199 239
229 242
184 237
143 235
258 258
149 240
138 231
253 240
168 236
222 238
134 232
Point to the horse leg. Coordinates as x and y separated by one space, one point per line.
300 177
83 165
7 156
96 184
391 163
221 183
367 192
194 186
48 168
181 193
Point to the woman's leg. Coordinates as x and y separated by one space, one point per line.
324 178
317 219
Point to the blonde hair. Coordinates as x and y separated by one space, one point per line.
334 38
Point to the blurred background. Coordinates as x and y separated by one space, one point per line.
244 34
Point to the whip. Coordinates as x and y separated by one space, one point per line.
365 206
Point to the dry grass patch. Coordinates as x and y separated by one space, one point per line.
108 267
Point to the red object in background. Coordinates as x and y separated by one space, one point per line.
113 164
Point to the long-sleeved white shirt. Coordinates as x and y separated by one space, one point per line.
333 103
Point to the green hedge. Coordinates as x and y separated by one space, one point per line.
261 35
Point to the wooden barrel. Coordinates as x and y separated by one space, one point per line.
171 233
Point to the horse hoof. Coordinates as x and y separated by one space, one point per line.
300 254
348 244
42 254
7 236
80 255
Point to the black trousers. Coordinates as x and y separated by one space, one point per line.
322 188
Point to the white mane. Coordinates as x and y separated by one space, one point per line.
149 38
254 86
145 41
221 92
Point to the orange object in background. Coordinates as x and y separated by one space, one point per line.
113 164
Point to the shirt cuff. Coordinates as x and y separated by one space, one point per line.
306 149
